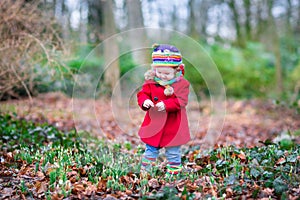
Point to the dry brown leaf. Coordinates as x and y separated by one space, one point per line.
153 183
73 179
242 156
9 156
280 161
72 173
91 189
42 188
191 186
180 185
56 196
128 192
101 187
78 188
229 192
267 191
40 175
7 192
68 185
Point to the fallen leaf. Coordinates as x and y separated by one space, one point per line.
128 192
7 192
267 191
180 185
56 196
229 192
68 185
78 188
40 175
280 161
242 156
9 156
101 187
153 183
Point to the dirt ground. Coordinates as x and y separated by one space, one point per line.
244 123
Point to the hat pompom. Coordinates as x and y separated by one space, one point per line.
169 90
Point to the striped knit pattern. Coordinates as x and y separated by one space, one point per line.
166 59
174 168
166 55
148 161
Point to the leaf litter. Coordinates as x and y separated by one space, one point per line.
253 167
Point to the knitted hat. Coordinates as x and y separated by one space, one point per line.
166 55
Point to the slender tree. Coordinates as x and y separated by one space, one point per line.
192 31
235 17
111 50
203 16
248 28
83 23
96 18
298 19
136 38
273 33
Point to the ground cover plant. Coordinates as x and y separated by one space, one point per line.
39 161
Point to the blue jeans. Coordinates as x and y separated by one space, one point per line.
173 154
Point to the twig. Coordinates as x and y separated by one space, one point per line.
22 82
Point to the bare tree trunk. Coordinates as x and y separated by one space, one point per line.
192 31
95 18
288 17
65 16
235 18
111 50
298 19
54 8
175 18
83 24
136 38
247 6
276 48
204 5
259 20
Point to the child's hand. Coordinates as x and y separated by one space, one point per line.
147 103
160 106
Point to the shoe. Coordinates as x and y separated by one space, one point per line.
147 165
173 170
144 172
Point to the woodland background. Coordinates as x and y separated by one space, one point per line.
255 44
51 149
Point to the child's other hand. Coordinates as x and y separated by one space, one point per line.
147 103
160 106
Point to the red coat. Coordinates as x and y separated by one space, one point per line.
169 127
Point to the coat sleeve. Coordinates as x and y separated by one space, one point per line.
180 98
144 94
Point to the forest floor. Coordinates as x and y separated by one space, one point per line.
101 160
246 122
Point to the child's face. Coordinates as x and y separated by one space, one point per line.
165 73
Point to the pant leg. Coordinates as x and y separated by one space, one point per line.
150 155
173 155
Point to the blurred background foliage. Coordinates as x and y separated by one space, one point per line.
254 43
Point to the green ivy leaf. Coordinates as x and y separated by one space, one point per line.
292 158
254 172
279 185
286 144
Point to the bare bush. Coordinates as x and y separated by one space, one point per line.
28 44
